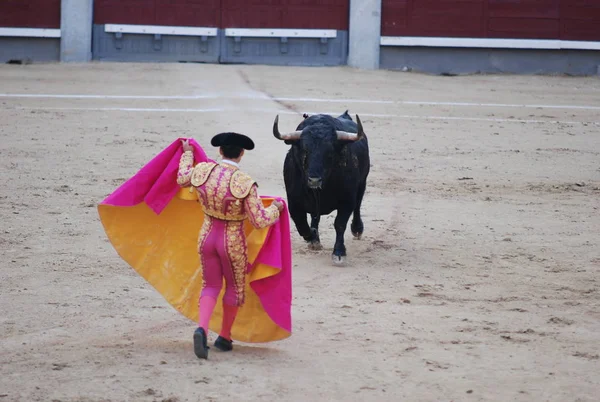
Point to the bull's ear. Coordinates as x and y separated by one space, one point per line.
346 116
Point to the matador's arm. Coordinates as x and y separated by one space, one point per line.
259 216
186 167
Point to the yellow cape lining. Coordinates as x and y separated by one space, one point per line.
163 250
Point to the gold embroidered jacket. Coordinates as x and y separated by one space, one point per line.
225 192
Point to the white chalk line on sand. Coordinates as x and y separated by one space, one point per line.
180 110
292 99
287 112
191 97
121 109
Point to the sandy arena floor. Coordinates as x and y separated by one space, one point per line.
477 278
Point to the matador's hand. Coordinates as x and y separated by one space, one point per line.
278 204
186 145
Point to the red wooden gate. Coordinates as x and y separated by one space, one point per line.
191 13
524 19
536 19
306 14
30 13
580 19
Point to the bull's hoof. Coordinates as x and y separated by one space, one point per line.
338 260
357 235
315 245
357 228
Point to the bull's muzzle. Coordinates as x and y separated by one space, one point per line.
315 182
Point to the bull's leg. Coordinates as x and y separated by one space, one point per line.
340 224
315 244
357 226
299 218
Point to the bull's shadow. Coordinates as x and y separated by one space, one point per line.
326 170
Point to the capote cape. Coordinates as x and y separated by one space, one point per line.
153 224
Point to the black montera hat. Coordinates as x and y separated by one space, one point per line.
232 140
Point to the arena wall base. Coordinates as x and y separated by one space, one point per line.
285 51
225 47
131 47
27 50
457 61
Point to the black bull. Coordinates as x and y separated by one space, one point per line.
326 169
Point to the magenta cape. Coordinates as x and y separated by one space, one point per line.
153 224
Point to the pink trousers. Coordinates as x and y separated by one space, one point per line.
222 247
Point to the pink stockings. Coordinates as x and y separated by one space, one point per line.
229 313
207 306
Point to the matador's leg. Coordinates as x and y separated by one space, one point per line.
209 248
233 260
211 283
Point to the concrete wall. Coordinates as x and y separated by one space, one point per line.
29 49
220 49
469 61
147 48
293 52
364 34
76 30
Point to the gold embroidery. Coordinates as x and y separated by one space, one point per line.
241 184
223 216
236 249
201 196
206 227
210 186
185 168
259 216
235 208
215 202
222 187
201 172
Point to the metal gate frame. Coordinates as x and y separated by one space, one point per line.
213 44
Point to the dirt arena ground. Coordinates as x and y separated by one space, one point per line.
477 278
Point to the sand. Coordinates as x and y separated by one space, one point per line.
476 278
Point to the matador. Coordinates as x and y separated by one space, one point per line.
228 196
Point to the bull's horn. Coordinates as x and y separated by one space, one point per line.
361 132
346 136
284 137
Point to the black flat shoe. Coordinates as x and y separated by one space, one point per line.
200 346
223 344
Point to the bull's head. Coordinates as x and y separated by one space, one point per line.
317 146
